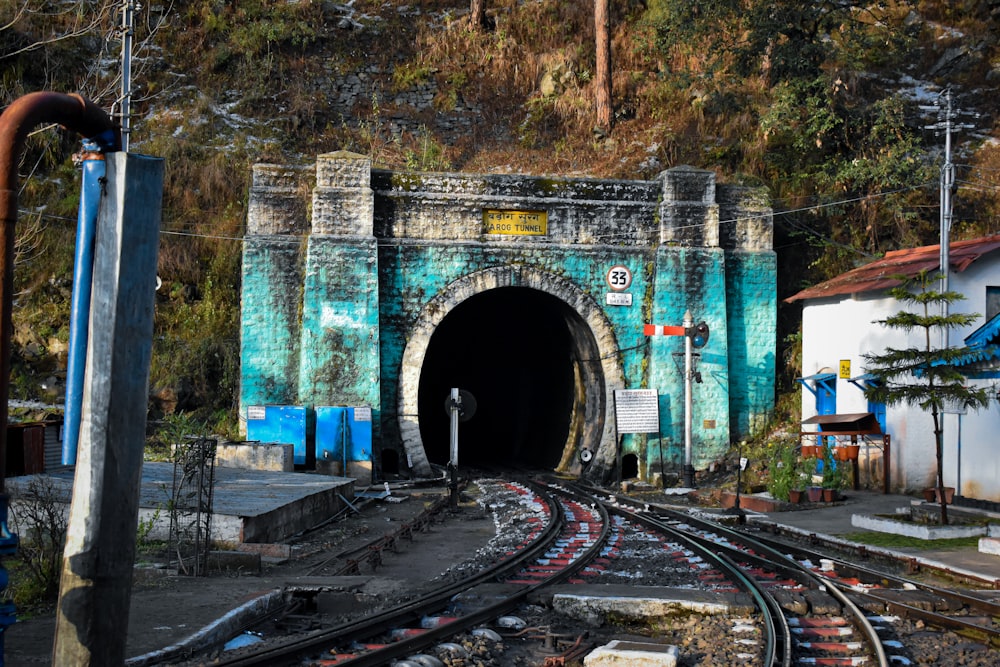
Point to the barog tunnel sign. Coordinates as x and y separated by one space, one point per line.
524 223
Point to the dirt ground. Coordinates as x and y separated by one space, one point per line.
166 608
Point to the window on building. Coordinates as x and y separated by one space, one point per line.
992 302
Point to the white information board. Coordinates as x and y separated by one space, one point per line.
637 411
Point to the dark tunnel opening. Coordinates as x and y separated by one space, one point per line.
511 348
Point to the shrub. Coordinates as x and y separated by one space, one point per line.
41 520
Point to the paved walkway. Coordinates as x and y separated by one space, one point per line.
834 521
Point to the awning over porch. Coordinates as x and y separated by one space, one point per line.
859 423
826 380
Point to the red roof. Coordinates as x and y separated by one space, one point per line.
877 275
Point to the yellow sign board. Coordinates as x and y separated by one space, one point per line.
845 369
517 223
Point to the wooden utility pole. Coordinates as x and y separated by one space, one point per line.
96 581
602 72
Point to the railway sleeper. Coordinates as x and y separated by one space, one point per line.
919 599
791 601
822 603
867 603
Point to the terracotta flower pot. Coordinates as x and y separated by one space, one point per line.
930 494
795 496
847 452
949 495
829 495
812 451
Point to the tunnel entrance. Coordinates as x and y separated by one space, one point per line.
513 349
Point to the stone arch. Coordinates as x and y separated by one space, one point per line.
597 364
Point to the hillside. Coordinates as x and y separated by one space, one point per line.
825 104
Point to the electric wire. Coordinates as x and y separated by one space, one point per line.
783 215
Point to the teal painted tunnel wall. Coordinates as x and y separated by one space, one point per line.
338 309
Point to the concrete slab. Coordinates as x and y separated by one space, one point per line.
920 531
248 505
596 603
989 545
632 654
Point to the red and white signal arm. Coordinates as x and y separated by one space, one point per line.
619 278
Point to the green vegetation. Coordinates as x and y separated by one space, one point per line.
806 99
787 471
924 376
39 519
893 541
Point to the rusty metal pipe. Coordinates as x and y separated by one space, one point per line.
73 112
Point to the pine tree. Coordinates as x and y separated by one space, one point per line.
925 376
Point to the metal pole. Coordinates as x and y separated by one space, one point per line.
947 183
128 31
688 467
454 408
663 472
618 441
83 275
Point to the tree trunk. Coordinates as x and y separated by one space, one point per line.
477 15
602 74
939 450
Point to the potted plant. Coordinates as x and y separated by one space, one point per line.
804 471
783 471
833 477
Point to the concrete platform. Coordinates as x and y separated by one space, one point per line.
248 505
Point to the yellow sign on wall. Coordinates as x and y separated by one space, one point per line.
845 369
522 223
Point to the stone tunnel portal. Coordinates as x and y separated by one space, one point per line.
513 348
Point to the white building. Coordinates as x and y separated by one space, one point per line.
839 326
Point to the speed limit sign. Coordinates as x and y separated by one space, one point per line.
619 278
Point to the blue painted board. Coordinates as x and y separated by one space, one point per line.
279 423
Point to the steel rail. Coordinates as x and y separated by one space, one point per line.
414 610
774 558
410 645
871 575
777 634
954 623
882 582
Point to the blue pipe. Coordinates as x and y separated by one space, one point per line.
83 275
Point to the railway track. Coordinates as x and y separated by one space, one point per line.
829 630
958 611
810 609
885 595
554 549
